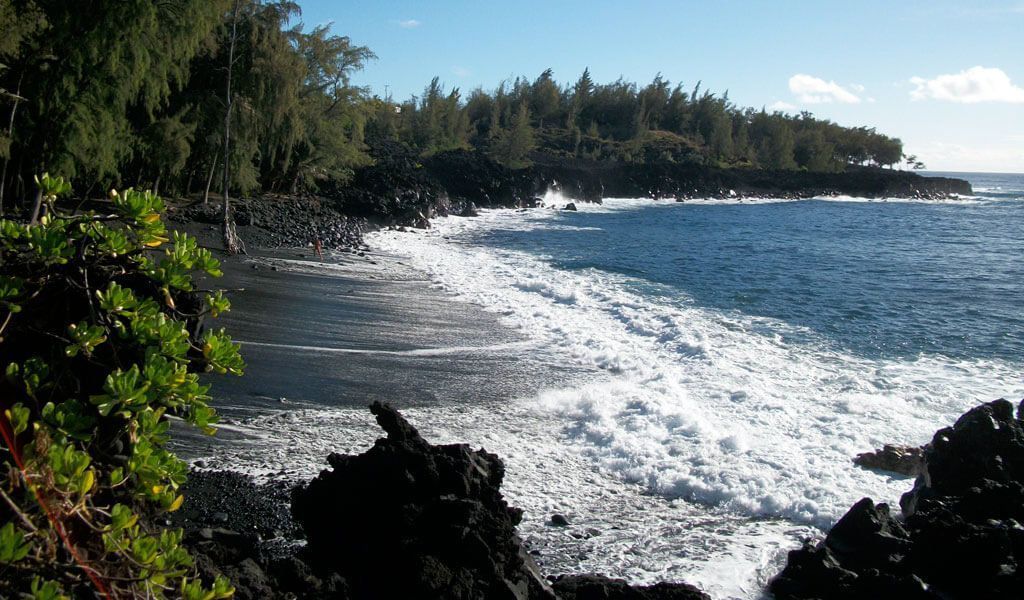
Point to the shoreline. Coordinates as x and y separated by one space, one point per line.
282 443
460 421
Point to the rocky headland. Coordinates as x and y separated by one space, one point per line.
402 189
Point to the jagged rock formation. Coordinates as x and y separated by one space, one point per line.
962 536
408 519
401 188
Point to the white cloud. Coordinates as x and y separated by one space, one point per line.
998 156
409 24
812 90
977 84
461 71
779 105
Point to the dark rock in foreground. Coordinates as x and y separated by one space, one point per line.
905 460
408 519
597 587
962 536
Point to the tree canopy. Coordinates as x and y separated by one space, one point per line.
626 122
107 91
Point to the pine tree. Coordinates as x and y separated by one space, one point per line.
513 146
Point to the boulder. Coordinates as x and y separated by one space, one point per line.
408 519
961 537
905 460
570 206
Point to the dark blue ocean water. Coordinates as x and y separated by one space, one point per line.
876 279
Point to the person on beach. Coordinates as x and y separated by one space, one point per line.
318 248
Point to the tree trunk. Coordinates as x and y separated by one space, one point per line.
10 134
231 242
209 180
36 208
156 186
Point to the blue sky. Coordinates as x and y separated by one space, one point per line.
945 77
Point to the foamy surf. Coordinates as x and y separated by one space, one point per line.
717 409
696 444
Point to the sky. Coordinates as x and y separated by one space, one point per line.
945 77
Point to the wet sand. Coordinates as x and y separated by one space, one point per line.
350 330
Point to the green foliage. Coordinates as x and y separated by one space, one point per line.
139 88
46 590
513 146
622 121
97 77
13 546
100 345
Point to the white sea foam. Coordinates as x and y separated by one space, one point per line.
706 445
711 407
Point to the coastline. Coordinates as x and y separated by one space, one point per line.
460 375
613 523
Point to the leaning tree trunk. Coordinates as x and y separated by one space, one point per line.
10 135
231 242
37 207
209 180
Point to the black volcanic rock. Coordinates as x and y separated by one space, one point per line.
905 460
408 519
401 187
962 536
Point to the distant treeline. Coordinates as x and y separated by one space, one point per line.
625 122
110 92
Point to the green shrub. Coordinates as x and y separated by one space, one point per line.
101 340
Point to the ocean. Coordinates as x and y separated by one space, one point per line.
748 350
687 383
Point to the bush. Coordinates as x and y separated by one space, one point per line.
101 340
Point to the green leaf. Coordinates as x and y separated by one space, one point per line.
13 546
46 590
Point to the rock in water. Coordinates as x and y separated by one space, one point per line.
962 536
570 207
906 460
408 519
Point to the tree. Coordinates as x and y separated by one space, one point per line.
90 92
18 23
513 146
544 98
913 162
231 241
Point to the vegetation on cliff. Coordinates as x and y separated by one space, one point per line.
237 96
621 121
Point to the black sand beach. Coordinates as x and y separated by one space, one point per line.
351 330
322 340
